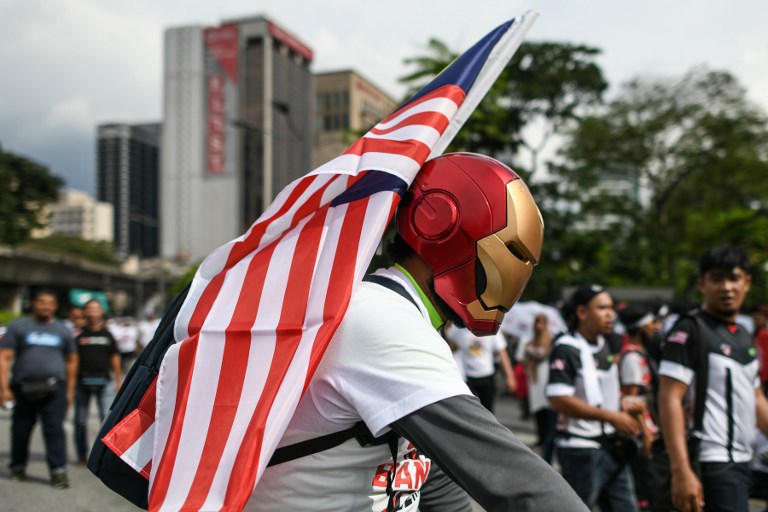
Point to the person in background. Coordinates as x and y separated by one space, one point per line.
534 353
75 320
720 443
127 337
98 354
638 374
147 327
476 354
584 390
41 383
760 316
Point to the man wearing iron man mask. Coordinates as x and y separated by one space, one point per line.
468 236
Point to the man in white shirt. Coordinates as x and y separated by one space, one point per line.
477 355
469 234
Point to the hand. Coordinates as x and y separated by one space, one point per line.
647 443
633 405
117 386
70 397
512 384
687 492
6 395
625 424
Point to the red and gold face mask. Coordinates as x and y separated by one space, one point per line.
508 256
475 223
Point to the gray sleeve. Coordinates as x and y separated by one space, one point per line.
441 494
485 458
10 338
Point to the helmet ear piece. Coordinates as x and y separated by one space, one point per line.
434 215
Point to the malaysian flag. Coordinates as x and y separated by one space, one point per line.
262 308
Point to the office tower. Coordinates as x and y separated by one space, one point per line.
76 213
346 104
127 178
236 131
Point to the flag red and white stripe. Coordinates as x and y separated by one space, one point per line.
263 308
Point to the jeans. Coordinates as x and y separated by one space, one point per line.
83 396
23 419
598 479
546 423
726 486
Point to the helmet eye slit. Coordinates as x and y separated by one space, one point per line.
517 253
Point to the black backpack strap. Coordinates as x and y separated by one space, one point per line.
357 431
391 284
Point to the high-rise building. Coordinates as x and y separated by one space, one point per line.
345 105
127 177
77 213
236 130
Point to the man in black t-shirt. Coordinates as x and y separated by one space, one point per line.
734 402
98 352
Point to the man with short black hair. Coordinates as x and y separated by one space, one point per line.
42 383
584 389
98 353
710 348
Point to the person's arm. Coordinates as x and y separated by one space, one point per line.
72 361
687 492
485 458
6 357
761 410
576 408
117 370
506 364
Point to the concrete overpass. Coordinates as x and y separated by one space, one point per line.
22 271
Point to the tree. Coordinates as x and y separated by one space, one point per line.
545 83
697 149
25 189
96 251
545 88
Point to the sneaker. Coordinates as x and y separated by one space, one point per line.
60 481
18 475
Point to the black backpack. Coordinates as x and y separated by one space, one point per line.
127 482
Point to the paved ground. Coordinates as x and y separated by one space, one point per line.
87 494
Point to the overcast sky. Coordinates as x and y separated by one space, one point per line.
68 65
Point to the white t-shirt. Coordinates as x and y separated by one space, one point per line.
147 330
384 362
476 352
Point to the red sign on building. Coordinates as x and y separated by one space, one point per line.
221 67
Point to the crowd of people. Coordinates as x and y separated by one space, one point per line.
49 365
643 417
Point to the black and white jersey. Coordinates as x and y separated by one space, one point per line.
729 410
566 378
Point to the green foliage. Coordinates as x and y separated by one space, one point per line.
699 151
181 282
545 82
7 316
25 189
642 185
99 252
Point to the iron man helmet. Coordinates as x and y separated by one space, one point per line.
475 223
